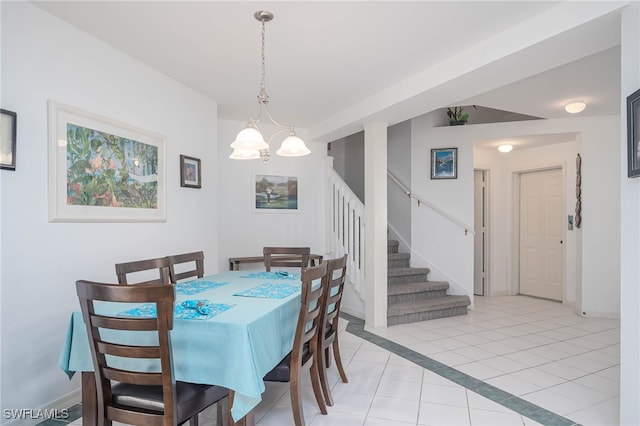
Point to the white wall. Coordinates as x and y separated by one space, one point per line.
243 231
592 252
630 235
399 163
44 58
437 242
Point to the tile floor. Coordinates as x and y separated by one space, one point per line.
512 360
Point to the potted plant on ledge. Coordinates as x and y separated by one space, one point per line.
456 116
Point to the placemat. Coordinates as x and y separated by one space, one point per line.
197 286
270 291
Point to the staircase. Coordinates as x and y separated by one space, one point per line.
412 297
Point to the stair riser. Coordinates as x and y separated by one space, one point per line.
428 315
392 248
403 279
399 263
413 297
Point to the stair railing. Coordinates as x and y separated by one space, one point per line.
347 228
421 201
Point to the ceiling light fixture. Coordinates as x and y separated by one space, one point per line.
250 143
505 148
575 107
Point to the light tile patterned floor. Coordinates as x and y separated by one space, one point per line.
540 352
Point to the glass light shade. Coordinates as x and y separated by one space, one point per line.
575 107
249 139
505 148
244 154
293 146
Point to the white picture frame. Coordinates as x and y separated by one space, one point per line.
103 170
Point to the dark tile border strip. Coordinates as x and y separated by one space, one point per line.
512 402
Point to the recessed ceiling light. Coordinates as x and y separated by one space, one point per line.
505 148
575 107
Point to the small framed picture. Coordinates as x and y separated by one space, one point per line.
444 163
190 174
275 193
7 139
633 133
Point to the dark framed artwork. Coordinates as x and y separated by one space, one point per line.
190 174
8 121
633 133
444 163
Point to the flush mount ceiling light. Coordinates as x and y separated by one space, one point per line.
250 143
505 148
575 107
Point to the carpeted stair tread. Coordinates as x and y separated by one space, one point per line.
398 256
428 305
407 288
398 272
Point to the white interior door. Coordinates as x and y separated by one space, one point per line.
541 227
480 238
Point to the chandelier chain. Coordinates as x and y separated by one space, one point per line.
263 93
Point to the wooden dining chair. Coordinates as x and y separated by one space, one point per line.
305 344
194 264
138 267
328 333
125 393
286 257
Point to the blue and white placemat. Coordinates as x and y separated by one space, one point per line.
197 286
274 275
270 291
189 309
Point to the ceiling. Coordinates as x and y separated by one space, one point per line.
323 58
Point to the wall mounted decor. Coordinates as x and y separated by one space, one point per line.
8 122
275 193
444 163
190 176
578 221
102 170
633 133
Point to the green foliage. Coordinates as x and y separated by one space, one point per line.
106 170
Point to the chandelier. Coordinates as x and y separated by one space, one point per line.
249 143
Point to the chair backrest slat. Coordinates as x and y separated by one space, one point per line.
332 298
310 308
286 257
197 260
106 338
160 263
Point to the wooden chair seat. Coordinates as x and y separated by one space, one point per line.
194 263
305 345
286 257
128 395
328 336
138 267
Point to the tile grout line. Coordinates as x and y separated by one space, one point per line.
510 401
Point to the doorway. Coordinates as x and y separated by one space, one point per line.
481 236
541 236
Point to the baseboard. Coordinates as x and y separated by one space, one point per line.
607 315
354 312
54 410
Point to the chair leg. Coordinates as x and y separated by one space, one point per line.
324 381
315 383
327 357
193 421
296 400
223 412
338 358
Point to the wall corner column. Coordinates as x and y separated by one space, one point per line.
375 193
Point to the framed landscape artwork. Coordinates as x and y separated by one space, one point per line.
275 193
633 134
444 163
102 170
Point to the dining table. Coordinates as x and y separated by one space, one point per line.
245 331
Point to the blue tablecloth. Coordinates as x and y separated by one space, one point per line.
234 349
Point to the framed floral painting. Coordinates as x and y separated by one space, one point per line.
102 170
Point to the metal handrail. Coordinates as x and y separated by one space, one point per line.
433 207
